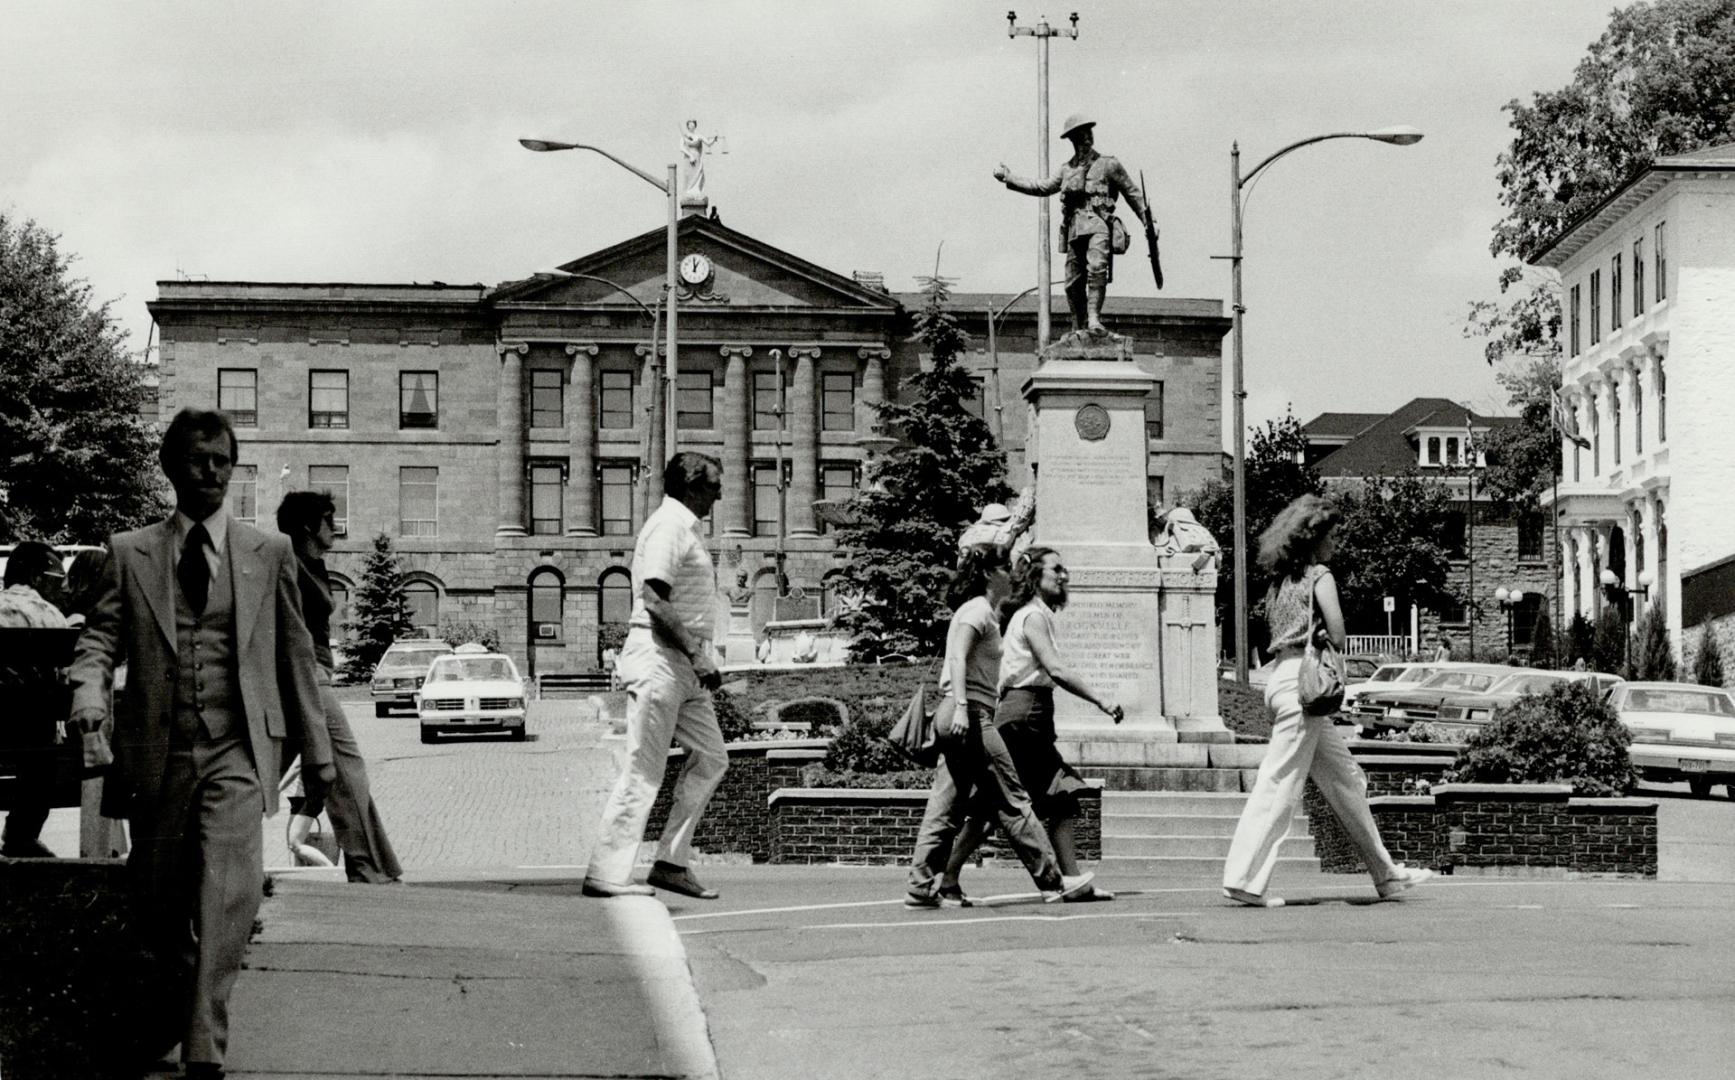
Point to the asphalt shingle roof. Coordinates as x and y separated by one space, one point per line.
1382 447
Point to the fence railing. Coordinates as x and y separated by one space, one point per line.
1379 644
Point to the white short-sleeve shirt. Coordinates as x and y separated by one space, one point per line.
670 549
1018 666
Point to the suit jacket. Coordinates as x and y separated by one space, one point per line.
134 622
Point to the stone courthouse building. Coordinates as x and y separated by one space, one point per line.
501 435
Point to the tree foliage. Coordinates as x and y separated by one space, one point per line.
1542 649
380 613
1653 653
1580 638
1392 543
1524 458
76 461
1708 662
1608 645
917 499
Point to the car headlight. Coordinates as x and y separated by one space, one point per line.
515 703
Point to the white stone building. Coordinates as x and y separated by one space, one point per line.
1648 328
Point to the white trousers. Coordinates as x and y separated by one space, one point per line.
664 703
1301 746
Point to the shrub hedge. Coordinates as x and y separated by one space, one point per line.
1567 735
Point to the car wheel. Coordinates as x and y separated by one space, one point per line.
517 734
1729 788
430 735
382 709
1699 785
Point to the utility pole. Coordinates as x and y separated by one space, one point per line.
1044 241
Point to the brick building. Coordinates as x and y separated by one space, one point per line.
1648 324
1438 438
499 435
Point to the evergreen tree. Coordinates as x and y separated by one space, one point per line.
380 613
1653 655
1608 648
1708 664
1579 638
1542 642
917 499
76 460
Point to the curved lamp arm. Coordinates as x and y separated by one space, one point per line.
544 146
1398 136
617 287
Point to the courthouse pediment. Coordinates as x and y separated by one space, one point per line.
740 273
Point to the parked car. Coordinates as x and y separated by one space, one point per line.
1681 731
1401 705
1380 677
1470 709
472 690
400 671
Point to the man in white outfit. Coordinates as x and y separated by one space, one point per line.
668 668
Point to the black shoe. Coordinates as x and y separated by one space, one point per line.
204 1070
678 879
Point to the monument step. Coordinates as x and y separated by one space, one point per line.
1183 755
1110 867
1164 778
1216 847
1212 803
1122 824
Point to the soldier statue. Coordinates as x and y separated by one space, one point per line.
1090 234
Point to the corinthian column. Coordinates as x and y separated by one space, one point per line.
737 467
804 434
873 387
581 444
509 416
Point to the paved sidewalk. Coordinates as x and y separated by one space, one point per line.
466 976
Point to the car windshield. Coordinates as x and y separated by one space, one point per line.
1703 702
1459 680
1358 668
1415 674
1385 674
409 658
1525 684
479 669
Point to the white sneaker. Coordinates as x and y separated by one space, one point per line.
1402 880
1242 896
1070 887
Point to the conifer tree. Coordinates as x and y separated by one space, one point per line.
1579 638
380 613
1608 647
1708 664
917 498
1542 642
1653 654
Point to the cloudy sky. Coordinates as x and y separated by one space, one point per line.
376 142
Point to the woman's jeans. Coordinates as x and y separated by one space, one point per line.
976 777
1301 746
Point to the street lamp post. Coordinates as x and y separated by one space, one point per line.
671 366
1508 599
994 318
1044 270
1397 136
1642 588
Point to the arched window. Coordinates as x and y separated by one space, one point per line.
614 596
423 601
547 607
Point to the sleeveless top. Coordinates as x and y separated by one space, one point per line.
1288 607
1018 666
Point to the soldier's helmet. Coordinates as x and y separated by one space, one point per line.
1074 123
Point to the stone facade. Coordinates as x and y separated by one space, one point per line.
528 409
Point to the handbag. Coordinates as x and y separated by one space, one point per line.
1320 684
916 733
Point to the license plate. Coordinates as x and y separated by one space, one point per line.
1694 765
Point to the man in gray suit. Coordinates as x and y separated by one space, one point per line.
205 612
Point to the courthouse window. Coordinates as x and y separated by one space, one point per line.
836 484
238 395
422 601
418 501
765 401
547 604
545 407
1638 276
617 499
617 399
1614 293
546 488
334 481
694 397
244 494
838 400
1154 413
1662 267
615 597
1595 306
328 399
418 399
765 502
1573 323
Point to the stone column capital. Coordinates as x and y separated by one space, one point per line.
803 352
874 352
522 348
730 351
642 351
573 348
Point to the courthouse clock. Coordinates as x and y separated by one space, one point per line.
695 269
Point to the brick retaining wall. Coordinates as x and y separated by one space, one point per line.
1388 766
736 819
852 825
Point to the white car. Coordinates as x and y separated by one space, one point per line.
471 690
1384 675
1681 731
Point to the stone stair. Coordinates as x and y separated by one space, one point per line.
1156 832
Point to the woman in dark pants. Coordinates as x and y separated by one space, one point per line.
308 519
1030 668
976 776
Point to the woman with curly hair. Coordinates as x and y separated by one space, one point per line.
1295 551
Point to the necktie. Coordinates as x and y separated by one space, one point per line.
194 572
